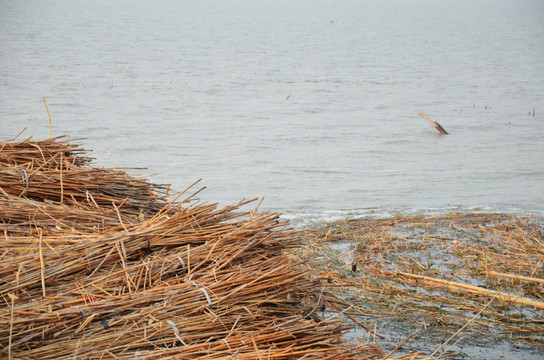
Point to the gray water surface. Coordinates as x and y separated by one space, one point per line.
311 103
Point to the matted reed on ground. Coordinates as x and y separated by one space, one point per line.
479 273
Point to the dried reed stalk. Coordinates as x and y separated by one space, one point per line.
515 277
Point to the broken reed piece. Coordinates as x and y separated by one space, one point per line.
514 277
436 125
13 297
48 115
502 296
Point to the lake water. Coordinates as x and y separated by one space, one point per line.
311 103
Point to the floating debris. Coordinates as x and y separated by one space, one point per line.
435 124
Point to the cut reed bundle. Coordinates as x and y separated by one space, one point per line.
57 171
96 263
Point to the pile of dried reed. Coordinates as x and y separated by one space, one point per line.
57 170
96 263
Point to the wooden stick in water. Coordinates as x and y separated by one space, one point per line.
435 124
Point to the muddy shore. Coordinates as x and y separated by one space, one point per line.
468 285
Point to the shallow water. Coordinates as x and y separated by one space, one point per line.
313 104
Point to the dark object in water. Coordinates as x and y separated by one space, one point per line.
436 125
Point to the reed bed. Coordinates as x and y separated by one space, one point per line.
97 263
480 274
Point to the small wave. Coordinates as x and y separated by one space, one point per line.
300 219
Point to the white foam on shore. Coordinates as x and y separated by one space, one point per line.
304 218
